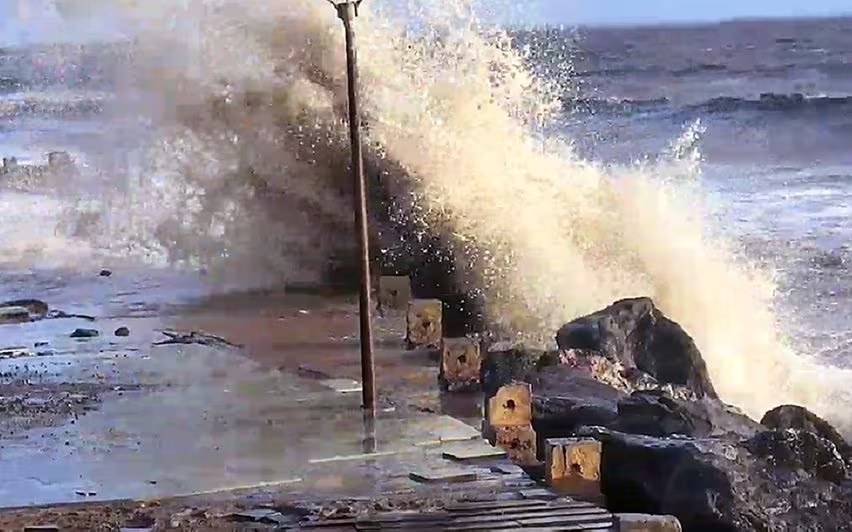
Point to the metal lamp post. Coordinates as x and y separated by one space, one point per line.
347 10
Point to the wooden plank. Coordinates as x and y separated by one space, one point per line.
491 505
540 506
348 522
511 525
560 521
569 514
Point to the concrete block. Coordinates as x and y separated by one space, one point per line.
647 523
424 323
519 444
461 363
511 406
394 292
573 466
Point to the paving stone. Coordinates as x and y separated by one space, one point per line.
443 475
472 450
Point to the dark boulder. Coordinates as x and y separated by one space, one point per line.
718 485
575 388
565 400
658 413
634 333
799 418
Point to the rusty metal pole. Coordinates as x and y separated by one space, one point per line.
347 11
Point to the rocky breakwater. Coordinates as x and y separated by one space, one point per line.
634 380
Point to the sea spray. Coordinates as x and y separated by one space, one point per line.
249 96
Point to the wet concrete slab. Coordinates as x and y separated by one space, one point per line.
184 419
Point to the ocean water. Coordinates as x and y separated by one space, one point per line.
703 166
772 105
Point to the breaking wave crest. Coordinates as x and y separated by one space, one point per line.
244 168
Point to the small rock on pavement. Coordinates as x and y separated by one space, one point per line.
260 515
647 523
105 273
85 333
122 331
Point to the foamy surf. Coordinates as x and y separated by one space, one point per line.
248 94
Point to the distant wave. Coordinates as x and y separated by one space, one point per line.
767 102
775 102
612 105
651 70
830 68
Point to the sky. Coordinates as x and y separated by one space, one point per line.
652 11
24 21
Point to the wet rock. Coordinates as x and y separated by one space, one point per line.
140 520
59 314
259 515
85 333
565 400
194 337
105 273
719 485
799 418
22 311
634 333
122 332
793 450
658 413
14 315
